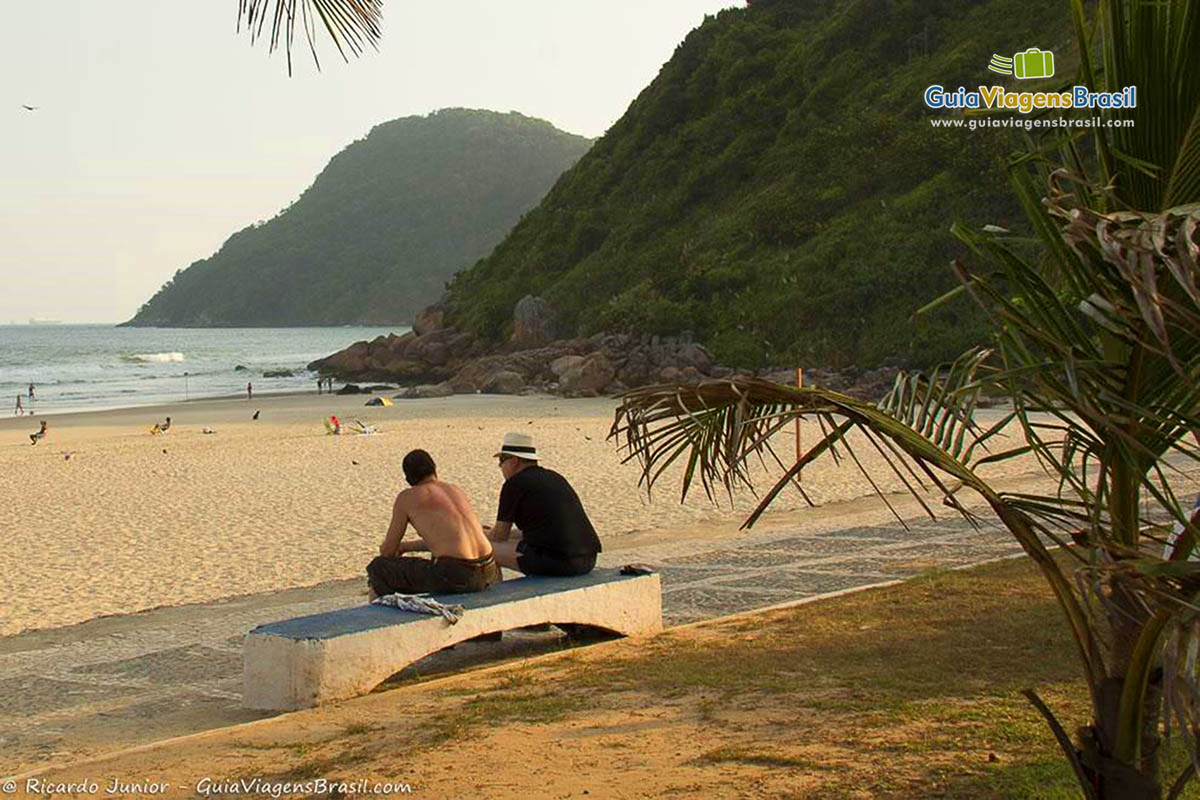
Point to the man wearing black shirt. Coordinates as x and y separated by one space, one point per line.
556 537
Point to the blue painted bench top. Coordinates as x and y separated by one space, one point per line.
367 617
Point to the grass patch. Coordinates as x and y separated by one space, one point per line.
757 758
910 691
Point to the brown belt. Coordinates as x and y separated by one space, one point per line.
467 562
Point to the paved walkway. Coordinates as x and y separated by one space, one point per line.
116 682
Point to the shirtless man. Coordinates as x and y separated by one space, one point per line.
447 528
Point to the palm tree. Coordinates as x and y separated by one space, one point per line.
351 24
1097 344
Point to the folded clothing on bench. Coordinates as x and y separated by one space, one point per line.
420 604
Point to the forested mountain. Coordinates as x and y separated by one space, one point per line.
779 190
381 229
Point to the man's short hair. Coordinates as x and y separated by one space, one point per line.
418 465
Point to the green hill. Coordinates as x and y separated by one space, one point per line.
381 229
779 190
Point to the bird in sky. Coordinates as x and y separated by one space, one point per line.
29 108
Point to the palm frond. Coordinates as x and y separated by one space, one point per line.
353 25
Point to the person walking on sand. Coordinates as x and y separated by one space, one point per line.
20 409
249 391
34 438
31 392
446 526
556 537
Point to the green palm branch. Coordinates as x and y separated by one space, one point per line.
353 25
1097 344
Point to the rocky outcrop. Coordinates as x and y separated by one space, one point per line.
432 318
435 360
534 323
426 391
444 359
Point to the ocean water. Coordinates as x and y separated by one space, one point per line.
79 367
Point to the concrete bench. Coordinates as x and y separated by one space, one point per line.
302 662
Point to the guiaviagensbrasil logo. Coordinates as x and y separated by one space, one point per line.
1028 64
1033 63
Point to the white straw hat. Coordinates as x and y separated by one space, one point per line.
519 445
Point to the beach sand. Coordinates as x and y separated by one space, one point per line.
132 521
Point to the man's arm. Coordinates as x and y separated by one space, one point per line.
392 544
499 532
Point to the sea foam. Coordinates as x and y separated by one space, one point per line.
154 358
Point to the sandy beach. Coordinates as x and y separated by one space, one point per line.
132 521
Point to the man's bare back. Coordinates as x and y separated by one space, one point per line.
443 518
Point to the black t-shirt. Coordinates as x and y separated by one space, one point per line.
544 506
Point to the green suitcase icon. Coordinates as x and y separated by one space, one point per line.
1034 63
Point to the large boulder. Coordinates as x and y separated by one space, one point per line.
637 369
503 382
436 353
534 322
589 378
460 344
405 369
563 363
426 391
669 375
431 319
398 344
345 362
694 355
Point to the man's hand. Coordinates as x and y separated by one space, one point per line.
498 532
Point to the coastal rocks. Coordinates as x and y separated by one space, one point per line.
436 354
589 378
431 319
426 391
563 363
503 382
534 322
279 373
695 356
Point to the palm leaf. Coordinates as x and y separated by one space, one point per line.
353 25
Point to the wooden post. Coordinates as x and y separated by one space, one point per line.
799 447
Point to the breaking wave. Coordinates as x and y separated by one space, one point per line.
153 358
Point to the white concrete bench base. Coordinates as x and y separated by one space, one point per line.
302 662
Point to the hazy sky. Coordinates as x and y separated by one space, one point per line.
160 131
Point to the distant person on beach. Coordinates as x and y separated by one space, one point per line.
335 424
447 528
320 383
556 537
249 391
161 427
20 409
34 438
31 392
